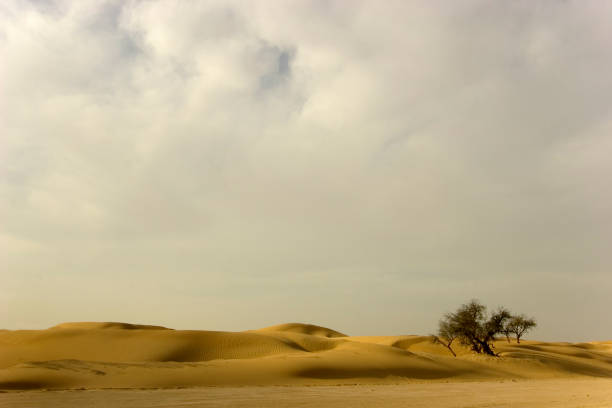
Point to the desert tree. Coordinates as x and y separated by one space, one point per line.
519 325
473 327
507 331
446 334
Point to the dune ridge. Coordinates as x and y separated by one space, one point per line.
113 354
107 325
303 328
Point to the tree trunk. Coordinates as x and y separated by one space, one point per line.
486 348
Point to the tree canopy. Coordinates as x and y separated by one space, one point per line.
519 325
474 327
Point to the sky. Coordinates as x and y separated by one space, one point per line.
362 165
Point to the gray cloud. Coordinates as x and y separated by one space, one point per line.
229 165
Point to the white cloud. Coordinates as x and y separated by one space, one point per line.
246 150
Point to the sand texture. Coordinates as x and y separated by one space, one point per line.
559 393
119 355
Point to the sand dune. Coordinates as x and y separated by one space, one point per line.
101 355
107 325
303 329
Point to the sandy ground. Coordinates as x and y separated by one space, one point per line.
290 365
566 393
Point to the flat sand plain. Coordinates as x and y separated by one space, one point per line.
120 364
561 393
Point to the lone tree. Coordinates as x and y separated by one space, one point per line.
473 327
519 325
446 335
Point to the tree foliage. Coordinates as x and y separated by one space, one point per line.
473 327
519 325
446 336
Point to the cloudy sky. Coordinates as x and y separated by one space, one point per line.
362 165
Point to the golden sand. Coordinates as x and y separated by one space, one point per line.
120 355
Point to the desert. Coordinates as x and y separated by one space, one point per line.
97 361
305 203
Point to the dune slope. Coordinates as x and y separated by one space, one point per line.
303 329
101 355
107 325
